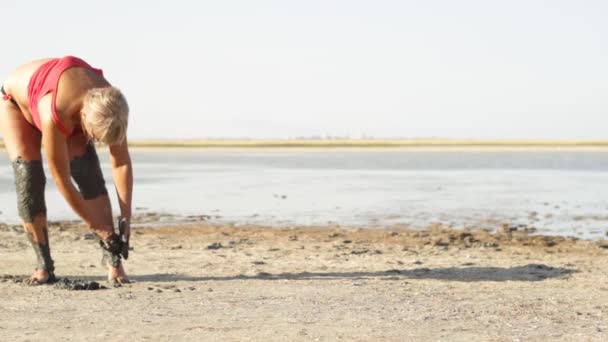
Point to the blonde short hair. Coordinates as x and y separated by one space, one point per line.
105 115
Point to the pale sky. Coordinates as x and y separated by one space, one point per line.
277 69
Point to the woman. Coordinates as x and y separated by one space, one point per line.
63 105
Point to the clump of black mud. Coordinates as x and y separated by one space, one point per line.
78 285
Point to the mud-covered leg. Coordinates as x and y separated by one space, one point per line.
30 184
86 172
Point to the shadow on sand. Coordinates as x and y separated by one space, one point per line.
531 272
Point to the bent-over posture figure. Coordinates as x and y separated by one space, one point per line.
61 106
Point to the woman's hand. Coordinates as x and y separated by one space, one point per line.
116 244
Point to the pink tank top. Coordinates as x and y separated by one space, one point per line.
46 80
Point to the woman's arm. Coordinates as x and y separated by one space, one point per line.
122 173
56 150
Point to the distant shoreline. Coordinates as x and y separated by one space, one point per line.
370 143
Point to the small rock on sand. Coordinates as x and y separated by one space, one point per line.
215 245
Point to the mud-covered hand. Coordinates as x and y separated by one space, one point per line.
124 232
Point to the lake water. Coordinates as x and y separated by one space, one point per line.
558 192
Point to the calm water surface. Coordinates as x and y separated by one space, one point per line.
558 192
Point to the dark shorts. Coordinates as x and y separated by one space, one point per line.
5 96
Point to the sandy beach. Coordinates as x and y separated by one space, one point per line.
206 282
304 171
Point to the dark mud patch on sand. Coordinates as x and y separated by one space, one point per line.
78 285
60 283
9 278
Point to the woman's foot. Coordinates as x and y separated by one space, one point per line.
41 276
117 275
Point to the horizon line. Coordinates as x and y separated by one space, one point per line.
364 143
367 142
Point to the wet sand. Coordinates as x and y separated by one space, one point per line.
207 282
